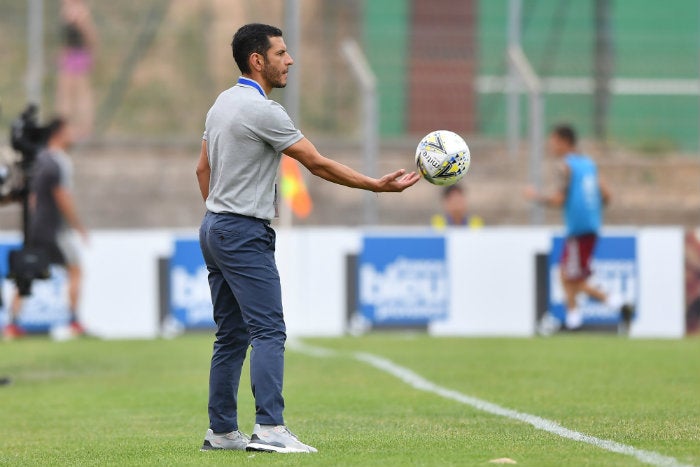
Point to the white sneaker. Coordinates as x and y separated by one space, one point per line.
615 302
276 438
574 320
235 441
548 325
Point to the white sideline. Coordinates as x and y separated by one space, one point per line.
418 382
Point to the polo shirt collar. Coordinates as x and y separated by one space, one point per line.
243 81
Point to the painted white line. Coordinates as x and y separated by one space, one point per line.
418 382
310 350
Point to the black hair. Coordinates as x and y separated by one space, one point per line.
566 132
249 39
453 189
55 125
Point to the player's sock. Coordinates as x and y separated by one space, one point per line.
76 328
574 319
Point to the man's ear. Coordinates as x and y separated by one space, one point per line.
256 62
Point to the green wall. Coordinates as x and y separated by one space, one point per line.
652 40
386 44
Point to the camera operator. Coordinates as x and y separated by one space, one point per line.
54 219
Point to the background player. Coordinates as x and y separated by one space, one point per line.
581 195
55 220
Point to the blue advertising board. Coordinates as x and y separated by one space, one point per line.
190 299
403 281
614 272
48 304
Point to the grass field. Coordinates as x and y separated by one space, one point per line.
144 403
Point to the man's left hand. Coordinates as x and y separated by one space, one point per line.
397 181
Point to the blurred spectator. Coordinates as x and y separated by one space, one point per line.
74 94
54 220
455 209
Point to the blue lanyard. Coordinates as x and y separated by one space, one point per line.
252 84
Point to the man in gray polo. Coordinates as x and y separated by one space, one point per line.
245 135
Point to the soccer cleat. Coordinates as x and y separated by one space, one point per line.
13 331
627 313
615 301
574 320
626 317
276 438
234 441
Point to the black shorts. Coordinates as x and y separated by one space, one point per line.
62 250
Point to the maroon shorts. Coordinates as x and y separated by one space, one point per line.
577 256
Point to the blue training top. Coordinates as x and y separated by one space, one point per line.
583 210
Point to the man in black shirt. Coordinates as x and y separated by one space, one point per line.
54 219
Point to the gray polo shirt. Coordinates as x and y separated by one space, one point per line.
245 134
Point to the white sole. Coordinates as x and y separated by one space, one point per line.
269 448
207 446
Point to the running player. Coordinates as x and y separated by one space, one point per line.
245 135
582 196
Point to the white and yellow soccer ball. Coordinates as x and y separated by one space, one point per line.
443 157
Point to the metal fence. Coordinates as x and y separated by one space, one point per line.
158 65
624 71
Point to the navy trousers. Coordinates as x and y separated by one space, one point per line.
245 288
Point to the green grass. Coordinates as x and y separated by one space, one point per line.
144 403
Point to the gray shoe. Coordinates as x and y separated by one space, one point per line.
235 441
276 438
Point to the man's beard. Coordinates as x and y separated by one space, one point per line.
273 76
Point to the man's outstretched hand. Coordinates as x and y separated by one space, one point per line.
397 181
333 171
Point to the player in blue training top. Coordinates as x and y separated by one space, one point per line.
582 195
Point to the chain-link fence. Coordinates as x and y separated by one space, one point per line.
626 71
159 64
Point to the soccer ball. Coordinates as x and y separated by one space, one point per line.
443 157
